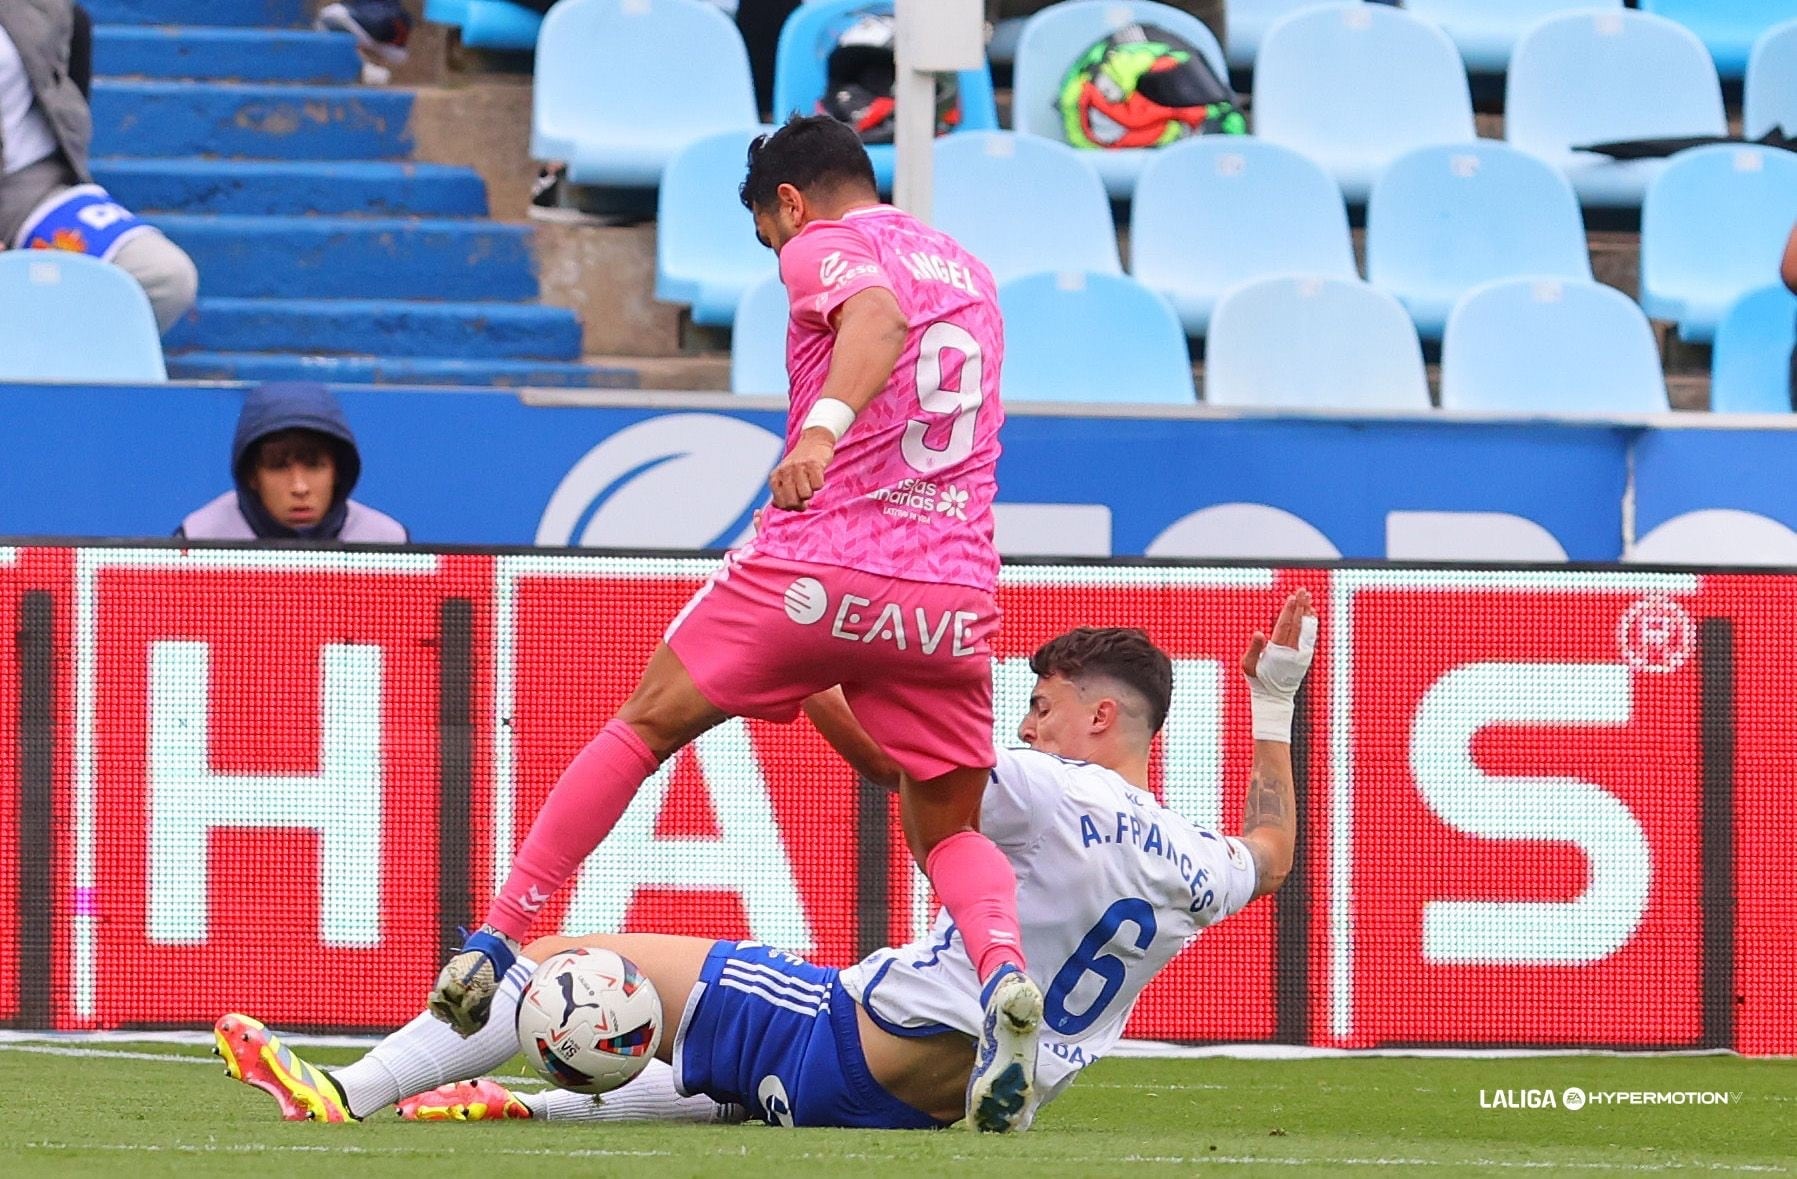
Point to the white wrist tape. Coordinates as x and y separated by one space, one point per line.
1275 684
832 415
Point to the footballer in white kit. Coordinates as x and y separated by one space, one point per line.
1111 885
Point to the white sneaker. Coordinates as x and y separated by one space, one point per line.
1001 1092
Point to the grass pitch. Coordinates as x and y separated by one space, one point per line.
151 1110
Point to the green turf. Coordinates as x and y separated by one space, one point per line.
106 1116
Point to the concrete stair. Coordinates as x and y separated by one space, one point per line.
382 327
226 54
324 250
283 188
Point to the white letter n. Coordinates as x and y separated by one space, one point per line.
342 802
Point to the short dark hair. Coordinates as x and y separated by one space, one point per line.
1121 653
294 445
811 152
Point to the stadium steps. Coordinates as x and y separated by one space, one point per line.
226 54
250 121
388 328
396 370
325 251
356 257
233 13
281 188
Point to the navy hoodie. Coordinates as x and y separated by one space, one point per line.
239 514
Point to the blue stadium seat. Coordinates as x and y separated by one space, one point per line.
1486 30
1300 342
1022 204
1354 87
801 71
499 24
1214 212
603 101
69 317
706 252
1079 337
1248 21
1750 369
446 12
1713 227
1770 98
1442 220
1546 346
1728 27
1055 37
1602 77
758 339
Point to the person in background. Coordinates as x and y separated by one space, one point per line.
48 200
381 28
1787 271
294 463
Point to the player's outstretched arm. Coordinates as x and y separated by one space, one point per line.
830 712
1275 669
870 338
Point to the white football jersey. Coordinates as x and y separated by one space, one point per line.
1110 886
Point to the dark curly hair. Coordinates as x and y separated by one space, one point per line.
811 152
1120 653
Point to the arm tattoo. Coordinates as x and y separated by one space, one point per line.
1265 806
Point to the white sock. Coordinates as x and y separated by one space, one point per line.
427 1052
650 1096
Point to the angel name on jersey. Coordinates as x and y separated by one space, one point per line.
1147 837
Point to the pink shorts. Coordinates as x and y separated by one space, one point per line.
914 658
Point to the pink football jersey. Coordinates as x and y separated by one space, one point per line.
909 492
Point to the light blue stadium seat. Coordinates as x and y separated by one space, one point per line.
758 339
801 66
1214 212
1487 30
1728 27
1547 346
1020 204
1300 342
1713 227
1246 23
1356 86
1750 368
499 24
1603 77
1072 336
1055 37
1770 98
69 317
603 101
706 253
446 12
1443 220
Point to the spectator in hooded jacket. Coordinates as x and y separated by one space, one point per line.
48 199
294 462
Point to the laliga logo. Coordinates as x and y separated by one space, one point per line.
686 480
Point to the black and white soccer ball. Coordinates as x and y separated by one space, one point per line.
589 1020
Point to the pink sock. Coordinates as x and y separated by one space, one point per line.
979 890
585 805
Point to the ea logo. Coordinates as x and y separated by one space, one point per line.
806 601
1656 635
679 481
772 1096
1573 1098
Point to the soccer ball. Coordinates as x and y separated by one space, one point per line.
589 1020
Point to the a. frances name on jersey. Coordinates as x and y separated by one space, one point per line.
1147 838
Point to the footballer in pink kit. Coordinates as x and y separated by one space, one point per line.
873 569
